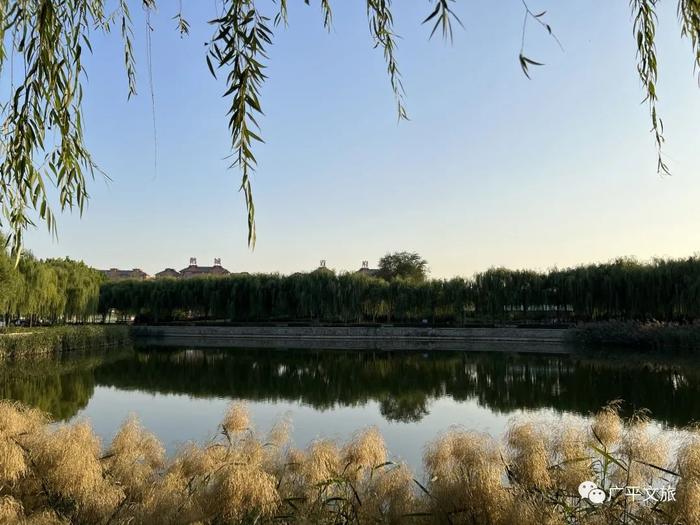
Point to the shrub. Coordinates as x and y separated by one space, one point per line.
44 340
638 335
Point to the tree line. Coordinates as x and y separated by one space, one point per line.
663 289
47 291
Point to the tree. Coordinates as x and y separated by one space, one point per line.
403 265
10 284
55 290
663 289
42 141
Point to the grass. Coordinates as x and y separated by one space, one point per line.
18 342
62 474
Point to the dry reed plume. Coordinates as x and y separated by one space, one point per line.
61 475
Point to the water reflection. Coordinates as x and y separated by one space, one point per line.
60 386
403 385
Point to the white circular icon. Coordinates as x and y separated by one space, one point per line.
590 491
586 487
596 496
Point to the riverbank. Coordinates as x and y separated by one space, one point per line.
20 342
651 336
15 342
502 339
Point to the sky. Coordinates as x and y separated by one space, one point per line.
492 169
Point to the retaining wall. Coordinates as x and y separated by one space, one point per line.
502 339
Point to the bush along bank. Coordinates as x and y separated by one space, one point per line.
44 340
640 336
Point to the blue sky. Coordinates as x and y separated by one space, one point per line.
492 169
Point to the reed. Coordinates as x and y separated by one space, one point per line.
61 474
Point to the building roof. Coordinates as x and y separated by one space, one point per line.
366 270
193 270
372 272
168 272
203 270
114 274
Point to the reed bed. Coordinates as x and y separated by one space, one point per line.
62 474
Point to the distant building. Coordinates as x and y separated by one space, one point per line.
366 270
168 272
113 274
322 268
198 271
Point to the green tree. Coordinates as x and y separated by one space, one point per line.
52 290
403 265
662 289
42 140
10 284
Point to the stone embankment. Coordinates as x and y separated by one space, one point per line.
501 339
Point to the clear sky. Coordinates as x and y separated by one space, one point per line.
493 169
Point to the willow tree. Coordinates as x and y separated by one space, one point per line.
42 141
10 285
54 290
662 289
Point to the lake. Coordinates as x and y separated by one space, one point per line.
181 393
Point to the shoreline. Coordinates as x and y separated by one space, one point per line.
389 338
43 340
590 337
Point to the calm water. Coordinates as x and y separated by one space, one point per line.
181 394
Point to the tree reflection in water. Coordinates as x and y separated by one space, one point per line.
404 384
60 385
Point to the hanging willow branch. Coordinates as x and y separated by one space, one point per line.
526 62
49 38
239 46
381 23
645 31
689 15
41 133
441 17
127 32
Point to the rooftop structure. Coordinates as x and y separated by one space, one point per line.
114 274
322 268
168 272
193 270
366 270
